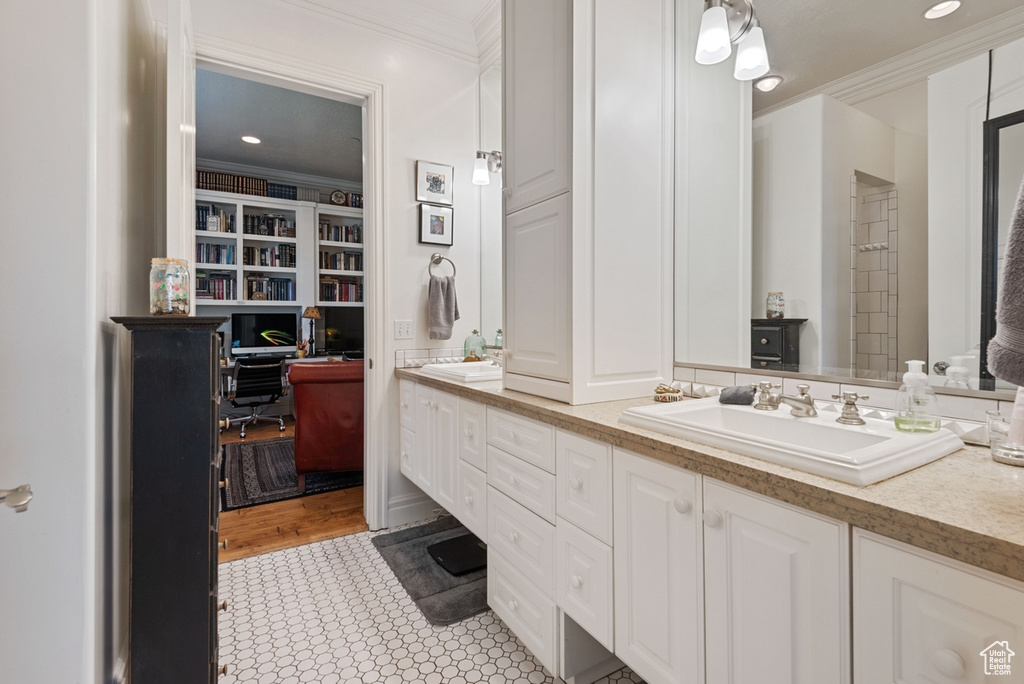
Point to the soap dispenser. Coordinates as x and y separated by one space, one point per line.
916 402
957 374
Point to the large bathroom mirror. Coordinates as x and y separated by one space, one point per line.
491 311
867 188
1003 177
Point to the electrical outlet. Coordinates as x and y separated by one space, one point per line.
403 330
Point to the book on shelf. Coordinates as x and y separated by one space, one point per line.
216 286
276 255
212 219
341 261
271 225
229 182
213 253
340 233
275 289
341 289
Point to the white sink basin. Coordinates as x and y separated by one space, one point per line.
856 454
473 371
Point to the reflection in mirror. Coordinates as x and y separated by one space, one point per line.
491 311
1004 170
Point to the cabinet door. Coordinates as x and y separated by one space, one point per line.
472 500
919 617
473 433
445 448
776 587
659 625
538 106
537 306
420 452
584 484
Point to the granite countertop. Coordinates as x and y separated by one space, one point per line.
964 506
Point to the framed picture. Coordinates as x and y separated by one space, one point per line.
436 224
434 182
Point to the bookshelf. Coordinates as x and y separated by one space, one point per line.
339 256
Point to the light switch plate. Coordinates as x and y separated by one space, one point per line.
403 330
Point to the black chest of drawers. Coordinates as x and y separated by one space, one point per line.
775 343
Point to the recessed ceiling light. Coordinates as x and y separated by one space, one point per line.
767 83
251 139
942 9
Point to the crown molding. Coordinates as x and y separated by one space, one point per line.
918 64
279 176
487 30
405 22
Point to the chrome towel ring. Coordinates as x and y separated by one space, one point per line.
436 259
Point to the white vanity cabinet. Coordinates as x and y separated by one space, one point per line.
921 617
659 602
776 591
472 469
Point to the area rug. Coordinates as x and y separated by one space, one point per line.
441 597
264 471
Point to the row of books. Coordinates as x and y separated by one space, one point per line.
352 199
274 289
342 261
275 225
208 217
340 289
341 233
281 191
277 255
216 286
229 182
212 253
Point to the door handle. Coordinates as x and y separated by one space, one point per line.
17 498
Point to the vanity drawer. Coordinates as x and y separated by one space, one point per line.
769 362
407 403
584 484
530 614
766 341
525 483
529 440
583 581
472 500
522 538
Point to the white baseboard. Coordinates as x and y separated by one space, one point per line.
409 508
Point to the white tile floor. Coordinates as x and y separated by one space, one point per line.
334 612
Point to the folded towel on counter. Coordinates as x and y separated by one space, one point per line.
1006 349
442 307
737 395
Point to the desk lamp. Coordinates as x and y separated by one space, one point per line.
313 314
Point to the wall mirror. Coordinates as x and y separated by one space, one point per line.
873 229
1003 176
491 311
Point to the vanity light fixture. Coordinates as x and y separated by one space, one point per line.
732 21
942 9
768 83
486 163
251 139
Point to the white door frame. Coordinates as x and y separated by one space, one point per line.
317 79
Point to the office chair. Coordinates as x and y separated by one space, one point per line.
262 380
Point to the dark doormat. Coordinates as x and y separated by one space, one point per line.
442 597
264 471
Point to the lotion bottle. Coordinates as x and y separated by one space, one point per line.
916 402
957 374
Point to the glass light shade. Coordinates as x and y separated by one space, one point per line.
751 56
480 173
713 44
942 9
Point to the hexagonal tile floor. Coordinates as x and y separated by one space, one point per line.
334 612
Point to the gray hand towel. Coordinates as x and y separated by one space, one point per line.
442 307
1006 350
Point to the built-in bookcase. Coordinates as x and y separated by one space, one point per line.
339 262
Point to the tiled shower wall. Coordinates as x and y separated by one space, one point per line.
874 280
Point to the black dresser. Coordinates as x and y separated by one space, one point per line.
775 343
174 498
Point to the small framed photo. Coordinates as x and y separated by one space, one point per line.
434 182
436 224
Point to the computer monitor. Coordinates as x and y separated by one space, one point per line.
263 333
343 330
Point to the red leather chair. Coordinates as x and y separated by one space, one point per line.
328 400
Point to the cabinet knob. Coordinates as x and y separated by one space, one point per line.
576 582
468 500
405 455
712 518
222 670
469 433
223 544
513 480
223 605
507 192
764 340
513 537
512 435
682 505
225 483
404 405
949 663
576 483
513 605
764 363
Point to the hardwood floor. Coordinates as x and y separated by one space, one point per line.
285 524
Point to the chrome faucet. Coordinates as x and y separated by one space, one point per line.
801 406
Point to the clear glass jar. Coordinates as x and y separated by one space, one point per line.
476 345
169 284
775 305
498 339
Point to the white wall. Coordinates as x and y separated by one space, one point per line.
78 157
956 111
431 113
